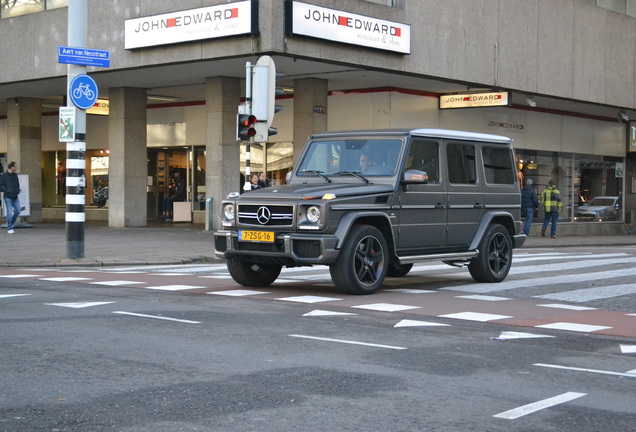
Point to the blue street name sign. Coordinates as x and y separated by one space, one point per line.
83 56
83 91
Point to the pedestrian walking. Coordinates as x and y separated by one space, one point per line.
10 185
529 204
551 200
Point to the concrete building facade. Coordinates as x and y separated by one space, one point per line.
169 98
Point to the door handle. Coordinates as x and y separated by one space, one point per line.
478 206
440 206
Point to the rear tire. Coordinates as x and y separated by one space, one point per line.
362 263
495 256
399 270
251 274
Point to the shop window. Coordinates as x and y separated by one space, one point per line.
580 178
98 178
13 8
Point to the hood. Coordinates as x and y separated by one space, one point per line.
316 190
592 209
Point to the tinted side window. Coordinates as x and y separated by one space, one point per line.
461 163
498 165
424 156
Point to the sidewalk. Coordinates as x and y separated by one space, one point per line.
44 245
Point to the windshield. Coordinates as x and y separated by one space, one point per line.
369 157
602 202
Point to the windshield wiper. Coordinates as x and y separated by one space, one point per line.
318 173
356 174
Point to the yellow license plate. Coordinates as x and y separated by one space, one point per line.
256 236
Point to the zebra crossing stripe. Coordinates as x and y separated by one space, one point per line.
590 294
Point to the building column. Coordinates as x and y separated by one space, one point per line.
128 164
310 111
24 146
222 161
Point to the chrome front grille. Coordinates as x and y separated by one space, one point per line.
266 215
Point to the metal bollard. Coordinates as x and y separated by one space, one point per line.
208 214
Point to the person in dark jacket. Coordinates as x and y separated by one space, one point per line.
178 195
529 203
10 185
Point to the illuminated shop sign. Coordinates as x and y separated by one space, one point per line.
211 22
101 107
472 100
339 26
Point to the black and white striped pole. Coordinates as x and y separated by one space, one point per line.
76 150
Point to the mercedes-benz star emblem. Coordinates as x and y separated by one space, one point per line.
263 215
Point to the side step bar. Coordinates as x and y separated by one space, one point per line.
438 257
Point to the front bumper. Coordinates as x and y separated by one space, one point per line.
287 248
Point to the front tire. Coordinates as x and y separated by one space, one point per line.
250 274
362 263
495 256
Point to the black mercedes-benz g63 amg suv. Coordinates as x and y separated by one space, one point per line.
371 203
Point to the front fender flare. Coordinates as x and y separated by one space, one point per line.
349 219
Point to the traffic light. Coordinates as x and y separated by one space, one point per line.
264 92
245 127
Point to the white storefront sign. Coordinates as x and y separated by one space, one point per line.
229 19
472 100
340 26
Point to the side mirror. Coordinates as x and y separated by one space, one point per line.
413 176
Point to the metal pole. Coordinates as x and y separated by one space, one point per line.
76 151
248 105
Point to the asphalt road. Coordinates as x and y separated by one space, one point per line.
111 358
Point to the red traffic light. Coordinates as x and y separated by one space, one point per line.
245 127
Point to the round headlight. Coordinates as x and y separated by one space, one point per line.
313 214
228 211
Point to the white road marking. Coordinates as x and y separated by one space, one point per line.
237 293
410 291
577 369
510 335
538 406
308 299
348 342
483 288
157 317
319 312
116 283
17 276
590 294
65 279
79 305
483 298
414 323
385 307
174 287
586 328
628 349
13 295
474 316
568 307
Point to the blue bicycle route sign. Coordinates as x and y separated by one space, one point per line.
83 91
83 56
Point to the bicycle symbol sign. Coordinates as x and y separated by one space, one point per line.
83 91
